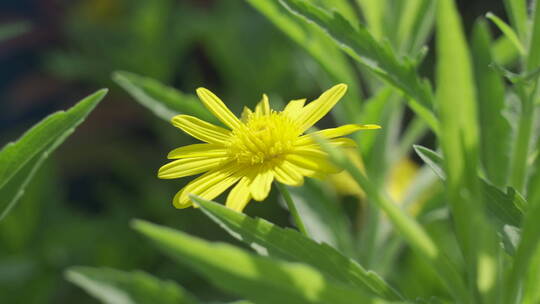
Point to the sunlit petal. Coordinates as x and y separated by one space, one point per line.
218 108
201 129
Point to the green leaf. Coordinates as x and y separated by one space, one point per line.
533 59
495 130
113 286
459 137
531 292
517 13
506 208
416 23
378 58
259 279
268 239
20 160
165 102
404 224
507 31
432 159
320 47
504 52
373 11
525 254
325 220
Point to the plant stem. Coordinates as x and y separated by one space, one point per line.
521 152
292 208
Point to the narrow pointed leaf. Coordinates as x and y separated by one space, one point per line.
165 102
507 31
320 47
495 130
533 60
517 13
112 286
20 160
410 229
380 59
259 279
506 208
268 239
459 137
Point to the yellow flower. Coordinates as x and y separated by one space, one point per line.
261 146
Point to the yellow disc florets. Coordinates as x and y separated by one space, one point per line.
263 138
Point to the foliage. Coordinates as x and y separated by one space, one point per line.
462 228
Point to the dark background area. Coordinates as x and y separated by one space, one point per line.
77 211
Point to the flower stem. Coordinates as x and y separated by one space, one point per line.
521 151
292 208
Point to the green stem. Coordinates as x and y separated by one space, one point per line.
292 208
521 152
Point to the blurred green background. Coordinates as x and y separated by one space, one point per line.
76 211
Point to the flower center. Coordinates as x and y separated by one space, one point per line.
263 138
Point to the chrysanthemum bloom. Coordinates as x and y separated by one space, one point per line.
261 146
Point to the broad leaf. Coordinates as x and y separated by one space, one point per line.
268 239
20 160
517 13
260 279
113 286
165 102
379 58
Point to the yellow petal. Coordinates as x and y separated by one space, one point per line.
198 150
294 108
245 114
315 164
218 108
343 142
201 129
209 185
288 174
189 166
263 107
239 196
261 184
317 109
311 150
334 132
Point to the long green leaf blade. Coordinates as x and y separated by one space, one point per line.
260 279
268 239
380 59
495 130
320 47
508 208
507 31
165 102
112 286
533 55
517 13
20 160
409 228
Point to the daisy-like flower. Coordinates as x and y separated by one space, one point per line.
262 146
